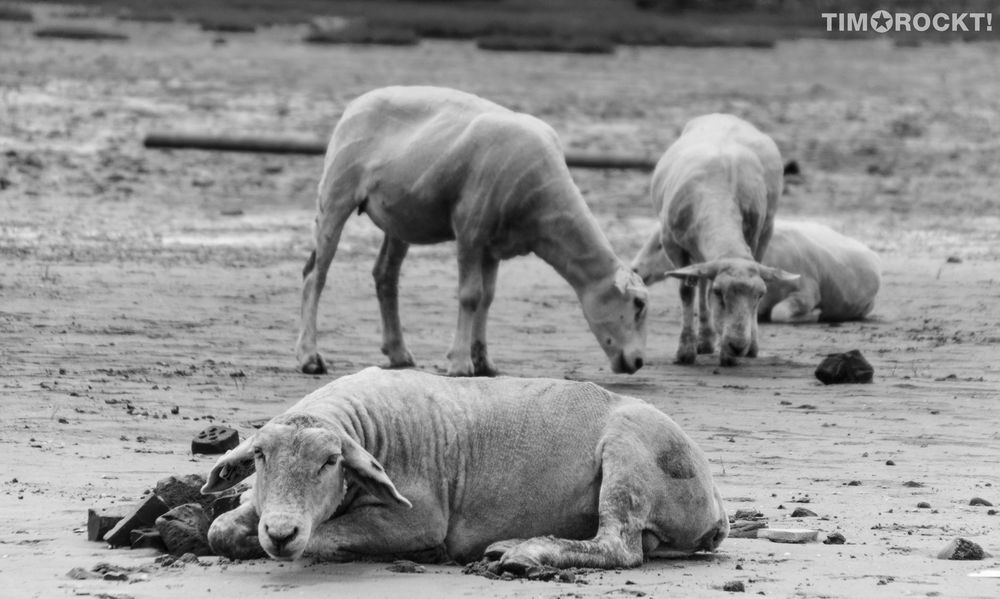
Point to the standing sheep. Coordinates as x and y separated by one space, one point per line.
432 164
716 190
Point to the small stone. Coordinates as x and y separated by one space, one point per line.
890 463
913 484
980 501
185 530
801 512
215 439
221 505
747 514
849 367
834 538
101 520
746 529
923 505
788 535
991 512
81 574
734 586
144 515
179 490
854 483
962 549
954 260
147 538
407 567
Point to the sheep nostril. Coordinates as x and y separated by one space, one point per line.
281 538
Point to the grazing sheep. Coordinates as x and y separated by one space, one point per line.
840 275
716 190
403 464
432 164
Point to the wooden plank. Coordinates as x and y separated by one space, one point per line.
312 147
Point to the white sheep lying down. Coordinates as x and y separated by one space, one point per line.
431 164
840 276
388 464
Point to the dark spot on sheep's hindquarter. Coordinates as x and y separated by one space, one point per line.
675 463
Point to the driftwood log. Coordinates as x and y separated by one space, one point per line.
299 145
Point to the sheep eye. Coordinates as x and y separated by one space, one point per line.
258 453
640 309
331 461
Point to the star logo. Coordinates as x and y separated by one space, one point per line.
881 21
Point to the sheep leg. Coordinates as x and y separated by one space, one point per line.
386 274
706 328
382 532
624 509
687 351
470 295
329 226
482 363
234 534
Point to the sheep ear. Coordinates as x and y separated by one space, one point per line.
771 274
368 472
694 271
234 466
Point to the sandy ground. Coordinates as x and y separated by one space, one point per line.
135 281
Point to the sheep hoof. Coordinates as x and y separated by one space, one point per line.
685 357
461 368
728 361
313 365
401 359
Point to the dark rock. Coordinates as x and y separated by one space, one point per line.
962 549
101 520
185 530
980 501
215 439
221 505
747 514
734 586
913 484
746 529
178 490
147 538
953 260
144 515
924 505
890 463
834 538
849 367
801 512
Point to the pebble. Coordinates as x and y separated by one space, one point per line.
734 586
963 549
